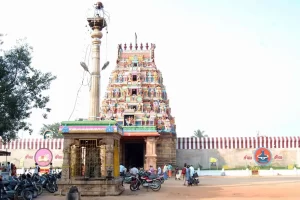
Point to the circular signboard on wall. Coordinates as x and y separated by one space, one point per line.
262 156
43 157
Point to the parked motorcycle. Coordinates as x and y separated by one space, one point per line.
146 182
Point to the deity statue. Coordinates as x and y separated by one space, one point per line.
155 76
120 78
138 78
104 110
149 75
124 93
129 78
152 92
117 93
145 93
140 92
155 106
139 107
158 93
127 92
134 98
115 76
109 93
126 106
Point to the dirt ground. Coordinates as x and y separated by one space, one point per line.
174 190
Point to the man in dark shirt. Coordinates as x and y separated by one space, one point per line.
1 188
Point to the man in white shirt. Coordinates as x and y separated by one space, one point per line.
134 171
165 169
122 170
159 171
36 169
192 170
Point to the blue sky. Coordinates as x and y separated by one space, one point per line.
231 68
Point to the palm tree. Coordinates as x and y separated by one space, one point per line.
198 133
54 128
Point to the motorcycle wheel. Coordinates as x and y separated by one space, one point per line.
50 188
155 187
34 193
40 189
27 195
133 187
157 181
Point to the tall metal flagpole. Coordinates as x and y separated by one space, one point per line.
135 39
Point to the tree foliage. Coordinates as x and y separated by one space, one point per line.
198 133
54 128
21 90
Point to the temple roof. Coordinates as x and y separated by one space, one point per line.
88 123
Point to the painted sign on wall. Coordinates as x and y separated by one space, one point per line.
43 157
263 156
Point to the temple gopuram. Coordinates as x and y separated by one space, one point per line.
137 99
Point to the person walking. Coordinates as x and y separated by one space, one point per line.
192 171
183 172
165 172
187 176
170 170
159 171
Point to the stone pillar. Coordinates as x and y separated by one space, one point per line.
116 158
150 157
66 160
103 160
73 161
95 75
109 155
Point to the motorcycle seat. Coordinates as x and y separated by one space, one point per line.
11 191
148 180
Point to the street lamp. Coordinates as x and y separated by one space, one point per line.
86 68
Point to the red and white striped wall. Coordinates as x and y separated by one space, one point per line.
237 142
182 143
33 144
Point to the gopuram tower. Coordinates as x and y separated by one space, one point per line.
137 99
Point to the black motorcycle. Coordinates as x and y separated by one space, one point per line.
194 180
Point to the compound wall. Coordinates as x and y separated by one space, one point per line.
230 151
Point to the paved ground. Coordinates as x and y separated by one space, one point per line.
214 188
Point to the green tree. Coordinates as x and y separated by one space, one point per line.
198 133
21 90
54 128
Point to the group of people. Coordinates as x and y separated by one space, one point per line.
10 168
132 170
187 173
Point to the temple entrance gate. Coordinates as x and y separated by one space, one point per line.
133 153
